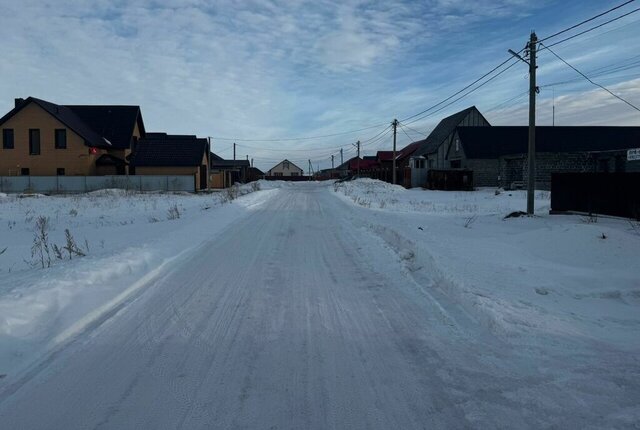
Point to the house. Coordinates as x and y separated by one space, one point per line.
285 168
167 154
498 155
41 138
225 173
430 153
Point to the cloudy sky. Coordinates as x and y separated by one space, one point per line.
267 72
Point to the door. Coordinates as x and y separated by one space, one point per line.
203 177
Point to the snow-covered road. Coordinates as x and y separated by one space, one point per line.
295 317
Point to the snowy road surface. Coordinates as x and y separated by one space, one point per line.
296 317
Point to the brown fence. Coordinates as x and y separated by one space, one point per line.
615 194
450 180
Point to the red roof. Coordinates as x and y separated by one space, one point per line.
364 164
386 155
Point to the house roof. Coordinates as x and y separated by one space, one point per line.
291 164
215 157
160 149
493 142
110 160
431 144
99 126
385 155
217 164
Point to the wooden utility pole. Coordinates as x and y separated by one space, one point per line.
332 162
395 128
531 183
357 145
234 151
341 158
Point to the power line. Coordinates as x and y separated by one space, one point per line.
590 29
291 139
586 21
415 131
594 83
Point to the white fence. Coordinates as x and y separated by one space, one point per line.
83 184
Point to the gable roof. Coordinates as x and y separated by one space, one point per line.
99 126
493 142
161 149
290 164
431 144
385 155
217 164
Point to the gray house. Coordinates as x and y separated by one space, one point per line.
433 152
498 155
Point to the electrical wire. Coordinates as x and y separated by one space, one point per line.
586 21
594 83
588 30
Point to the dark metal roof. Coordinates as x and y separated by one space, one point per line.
493 142
99 126
431 144
110 160
162 149
216 164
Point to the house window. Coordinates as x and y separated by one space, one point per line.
456 164
7 138
294 173
34 141
418 163
24 171
285 165
60 171
457 145
277 173
61 138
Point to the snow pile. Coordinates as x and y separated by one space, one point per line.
571 276
127 237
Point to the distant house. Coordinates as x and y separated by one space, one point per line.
225 173
498 155
415 159
285 168
167 154
40 138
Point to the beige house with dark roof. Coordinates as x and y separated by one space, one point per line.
40 138
285 168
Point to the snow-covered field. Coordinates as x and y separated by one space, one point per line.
569 275
127 238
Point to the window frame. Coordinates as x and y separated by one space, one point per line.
58 144
8 132
33 143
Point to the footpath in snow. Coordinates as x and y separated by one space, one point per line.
128 239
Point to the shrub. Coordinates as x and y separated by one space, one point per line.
173 212
40 251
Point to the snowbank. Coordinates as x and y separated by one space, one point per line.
570 276
129 238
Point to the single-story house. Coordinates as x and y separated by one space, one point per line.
167 154
285 168
498 155
40 138
225 173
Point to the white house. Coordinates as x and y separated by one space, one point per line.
285 168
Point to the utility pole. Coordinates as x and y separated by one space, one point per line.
332 162
341 158
533 90
309 168
357 145
234 151
395 129
252 162
531 184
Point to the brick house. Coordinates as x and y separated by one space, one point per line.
285 168
41 138
498 155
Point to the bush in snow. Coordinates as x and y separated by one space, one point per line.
40 250
255 186
173 212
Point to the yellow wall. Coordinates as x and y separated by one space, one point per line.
75 159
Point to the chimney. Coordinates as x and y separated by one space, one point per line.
19 102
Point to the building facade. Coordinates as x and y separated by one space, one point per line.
285 168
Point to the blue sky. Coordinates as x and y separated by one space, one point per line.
270 69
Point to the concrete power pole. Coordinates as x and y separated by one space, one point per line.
332 163
357 145
531 183
341 158
395 129
234 151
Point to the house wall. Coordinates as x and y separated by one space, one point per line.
292 170
75 159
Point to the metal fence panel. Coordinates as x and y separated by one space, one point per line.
82 184
615 194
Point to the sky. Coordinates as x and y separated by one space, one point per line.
268 74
